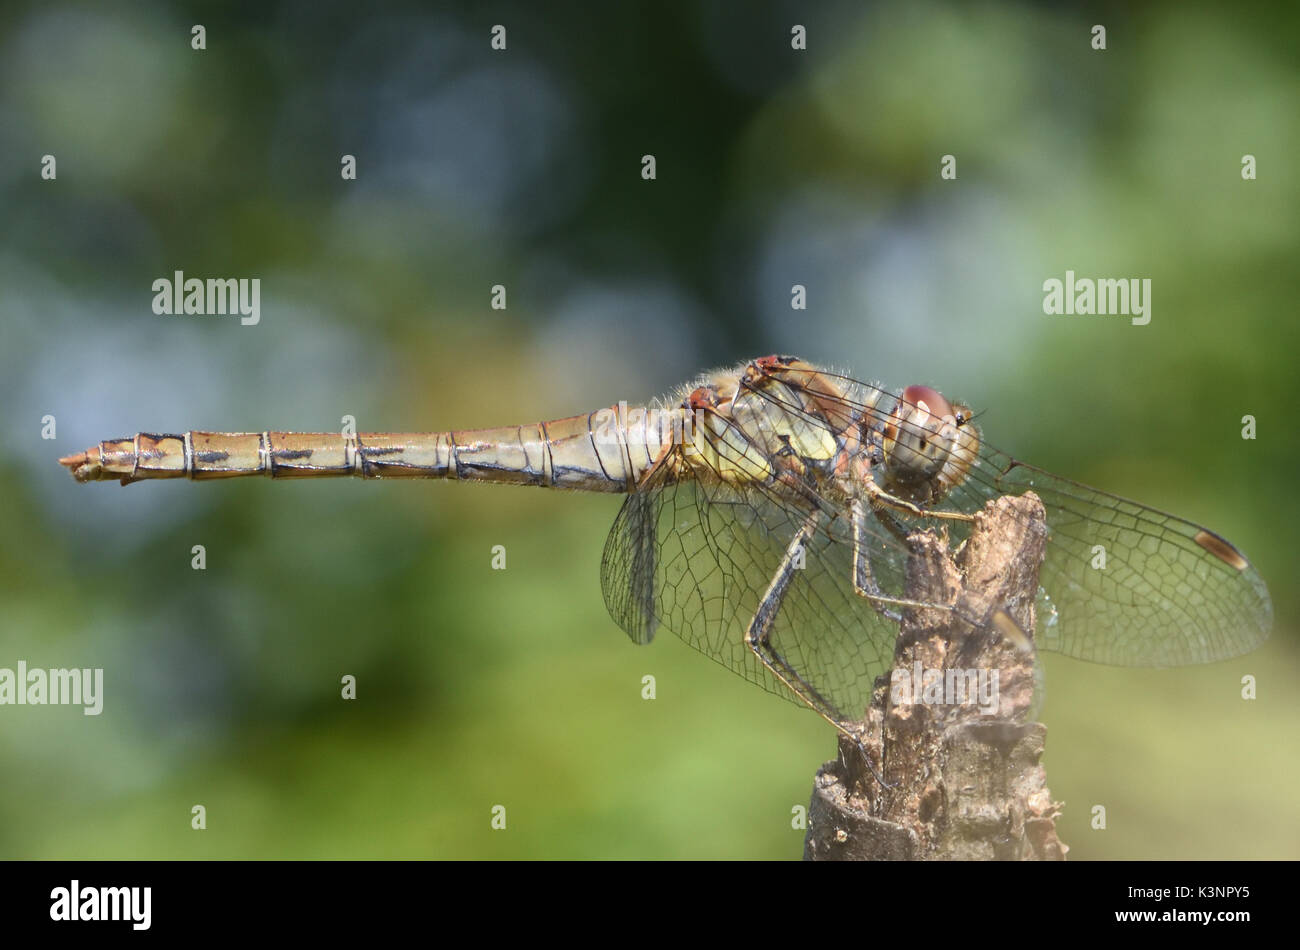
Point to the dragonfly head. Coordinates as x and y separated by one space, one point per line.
929 445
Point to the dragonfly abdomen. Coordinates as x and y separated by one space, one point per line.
609 450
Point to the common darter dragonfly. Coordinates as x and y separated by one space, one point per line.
767 515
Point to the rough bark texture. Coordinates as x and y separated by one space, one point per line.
964 783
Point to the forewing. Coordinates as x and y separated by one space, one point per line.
696 559
1131 585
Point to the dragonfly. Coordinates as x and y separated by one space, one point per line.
766 524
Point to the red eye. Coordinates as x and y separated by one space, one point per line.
930 399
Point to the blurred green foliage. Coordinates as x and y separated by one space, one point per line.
522 168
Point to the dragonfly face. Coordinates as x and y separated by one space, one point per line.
928 445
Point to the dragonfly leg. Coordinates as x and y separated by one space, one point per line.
864 584
882 499
758 639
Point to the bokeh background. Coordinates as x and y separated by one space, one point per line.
523 168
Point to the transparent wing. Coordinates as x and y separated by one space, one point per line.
1130 585
696 559
1168 592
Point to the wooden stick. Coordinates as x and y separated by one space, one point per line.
966 779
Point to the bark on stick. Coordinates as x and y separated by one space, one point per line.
964 784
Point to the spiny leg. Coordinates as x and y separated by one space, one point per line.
758 634
881 498
758 638
887 518
864 584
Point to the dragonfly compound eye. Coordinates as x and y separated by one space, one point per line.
919 438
